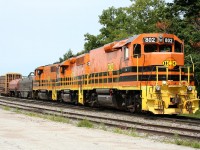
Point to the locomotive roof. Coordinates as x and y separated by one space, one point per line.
122 42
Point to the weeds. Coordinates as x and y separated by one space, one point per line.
195 115
118 130
189 143
85 123
17 110
133 133
6 108
102 127
57 118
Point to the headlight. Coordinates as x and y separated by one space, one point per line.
158 88
164 82
189 88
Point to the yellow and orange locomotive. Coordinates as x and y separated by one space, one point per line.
145 72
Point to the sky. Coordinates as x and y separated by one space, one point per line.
38 32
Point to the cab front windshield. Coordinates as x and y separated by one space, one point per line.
148 48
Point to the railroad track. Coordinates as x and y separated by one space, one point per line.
115 120
166 118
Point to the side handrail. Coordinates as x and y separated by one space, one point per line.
157 71
180 73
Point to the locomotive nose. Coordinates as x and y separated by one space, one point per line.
169 60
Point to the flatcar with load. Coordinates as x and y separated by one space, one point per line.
145 72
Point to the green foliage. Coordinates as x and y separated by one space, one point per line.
103 127
85 123
93 42
118 130
57 118
7 108
195 115
120 23
145 14
18 110
66 56
189 143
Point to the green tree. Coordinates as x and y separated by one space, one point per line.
66 56
92 42
115 26
119 23
145 14
185 16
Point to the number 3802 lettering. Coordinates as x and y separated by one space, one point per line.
150 39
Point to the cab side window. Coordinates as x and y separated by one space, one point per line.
178 47
126 53
136 50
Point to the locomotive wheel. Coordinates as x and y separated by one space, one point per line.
20 95
135 108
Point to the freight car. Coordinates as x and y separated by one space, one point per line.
145 72
22 87
13 88
5 80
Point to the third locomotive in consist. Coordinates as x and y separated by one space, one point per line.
145 72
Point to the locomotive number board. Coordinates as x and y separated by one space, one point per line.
150 39
169 40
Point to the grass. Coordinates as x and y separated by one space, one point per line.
48 117
102 127
85 123
6 108
17 110
133 133
32 114
57 118
130 132
189 143
195 115
119 131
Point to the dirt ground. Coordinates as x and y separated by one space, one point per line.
21 132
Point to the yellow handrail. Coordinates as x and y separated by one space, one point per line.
188 75
167 72
180 73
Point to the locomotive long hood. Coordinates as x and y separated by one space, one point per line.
164 58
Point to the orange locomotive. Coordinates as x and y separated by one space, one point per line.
45 82
145 72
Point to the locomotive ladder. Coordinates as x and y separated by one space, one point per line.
161 103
